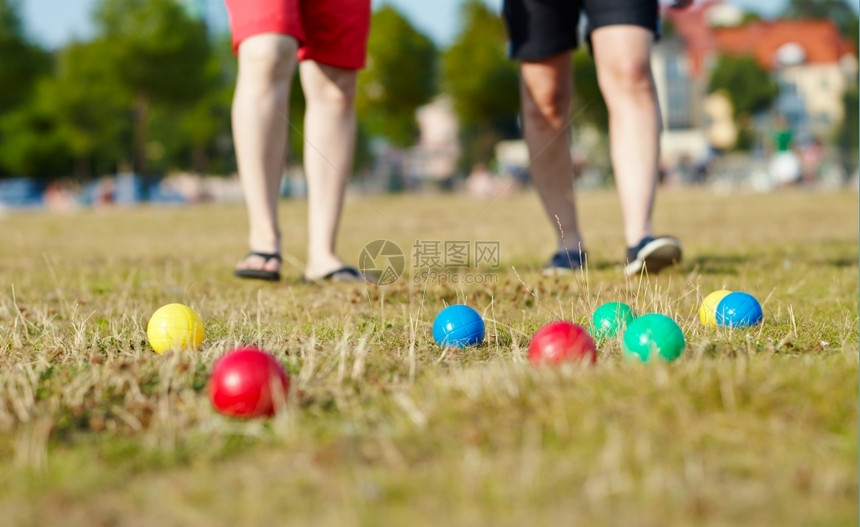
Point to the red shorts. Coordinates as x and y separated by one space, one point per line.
331 32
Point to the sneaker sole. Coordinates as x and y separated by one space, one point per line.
654 257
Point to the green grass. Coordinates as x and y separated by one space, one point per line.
755 427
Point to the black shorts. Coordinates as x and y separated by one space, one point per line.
538 29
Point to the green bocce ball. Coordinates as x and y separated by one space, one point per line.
654 336
610 319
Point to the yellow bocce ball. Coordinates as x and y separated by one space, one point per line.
174 327
708 309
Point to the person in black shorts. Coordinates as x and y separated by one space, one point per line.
620 34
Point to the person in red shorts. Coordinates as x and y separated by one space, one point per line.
328 41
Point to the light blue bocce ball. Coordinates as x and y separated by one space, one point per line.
459 326
738 310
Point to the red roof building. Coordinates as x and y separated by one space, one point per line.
811 62
819 40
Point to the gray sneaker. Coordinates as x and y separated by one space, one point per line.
652 254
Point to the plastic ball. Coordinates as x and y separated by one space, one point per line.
708 309
739 310
611 318
248 382
654 336
458 326
174 327
562 341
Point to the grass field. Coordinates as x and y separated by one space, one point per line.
755 427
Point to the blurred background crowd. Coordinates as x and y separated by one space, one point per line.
139 111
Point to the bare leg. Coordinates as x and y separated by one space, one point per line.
622 56
329 144
545 91
266 66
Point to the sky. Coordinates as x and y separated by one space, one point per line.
53 23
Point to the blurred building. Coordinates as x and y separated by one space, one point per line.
438 149
812 64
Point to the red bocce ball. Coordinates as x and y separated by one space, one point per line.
562 341
248 382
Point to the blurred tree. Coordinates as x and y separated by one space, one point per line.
400 76
750 18
588 111
296 123
839 11
815 8
748 86
668 29
852 32
34 143
197 135
159 55
75 123
21 62
483 83
588 107
848 136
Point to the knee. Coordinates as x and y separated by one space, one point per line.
626 78
342 88
546 106
335 87
268 56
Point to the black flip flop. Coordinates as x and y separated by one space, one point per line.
260 274
344 274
